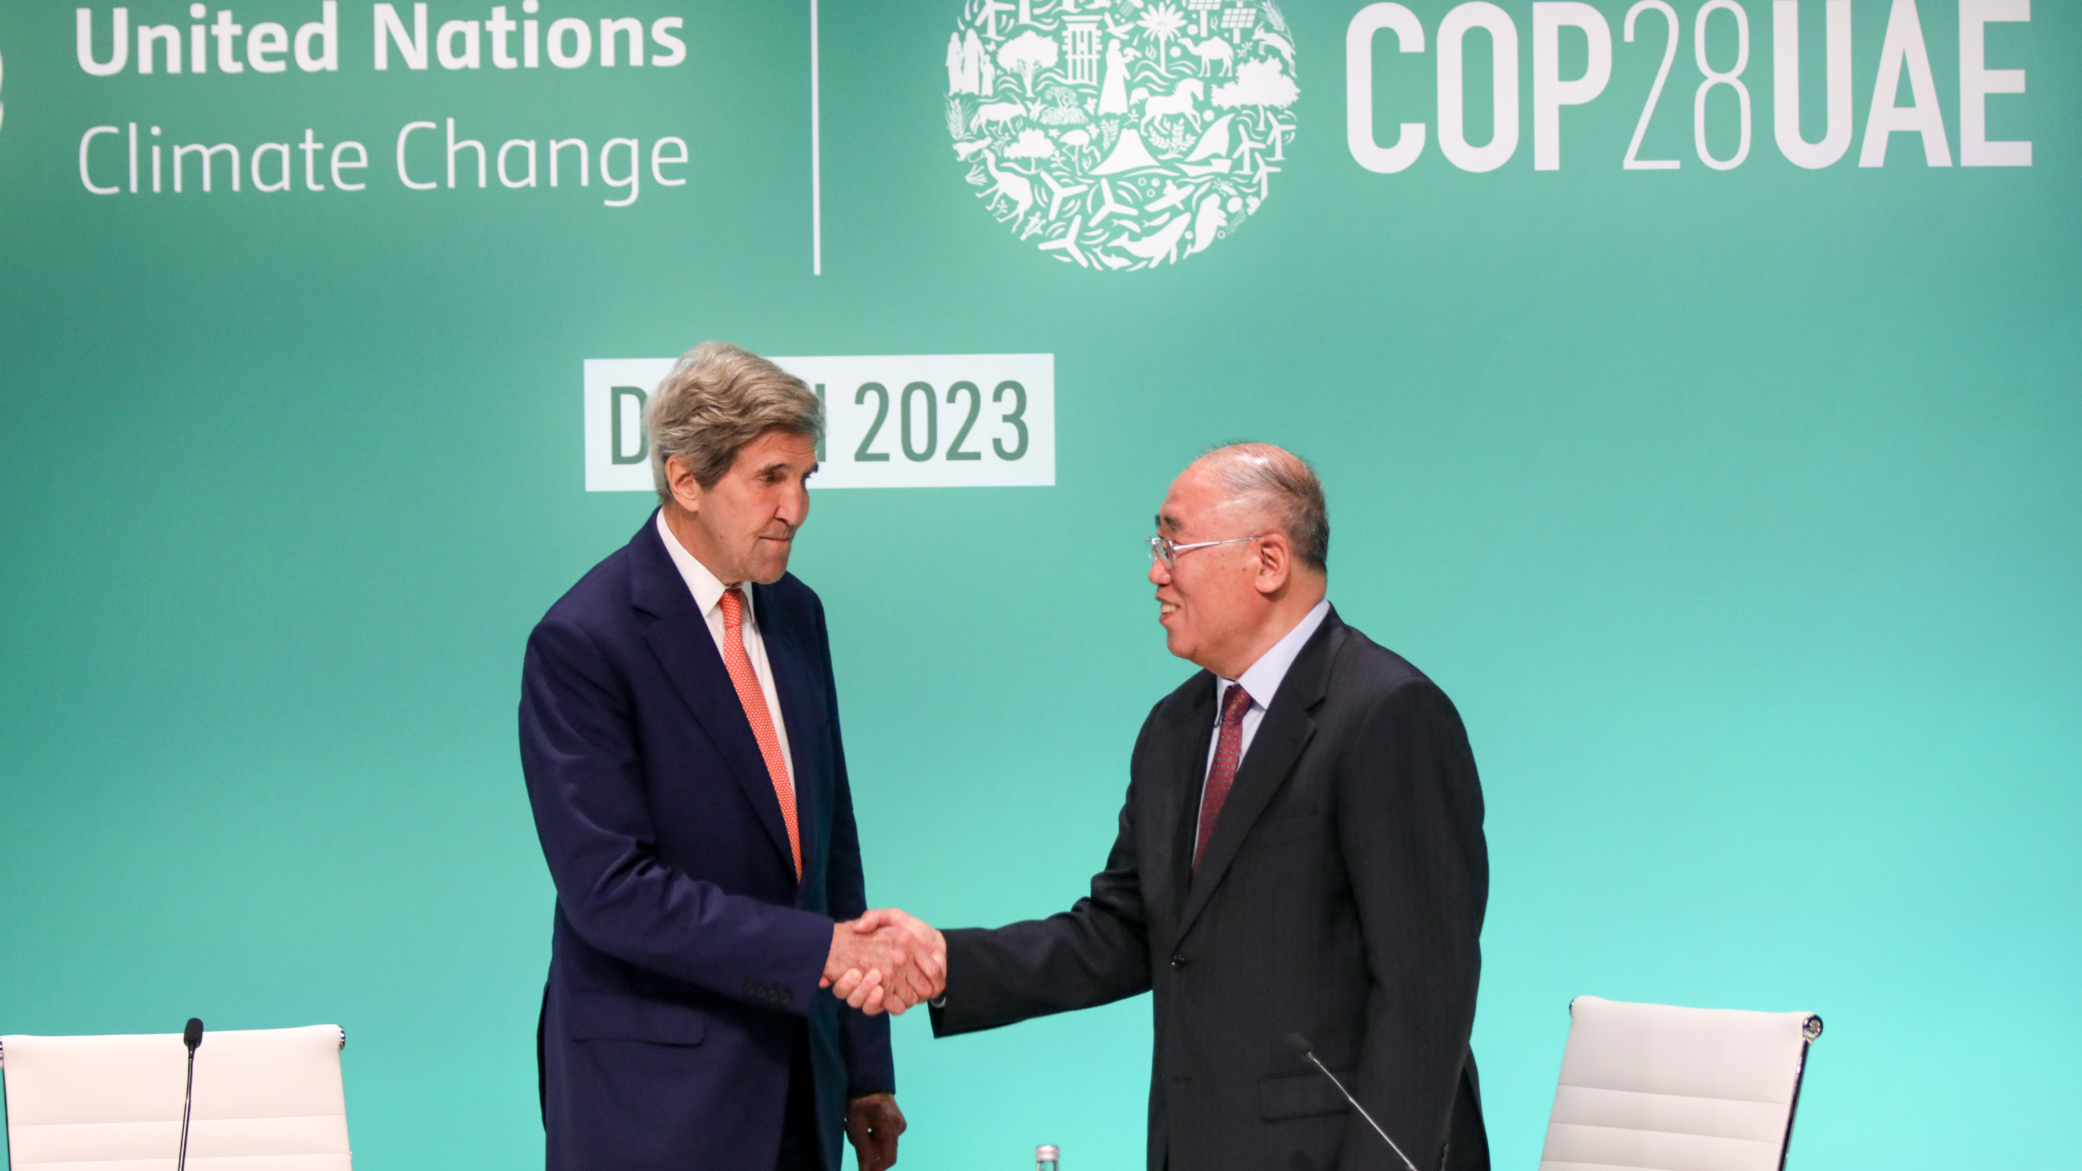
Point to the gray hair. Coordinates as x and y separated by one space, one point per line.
718 398
1282 484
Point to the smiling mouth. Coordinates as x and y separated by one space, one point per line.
1164 608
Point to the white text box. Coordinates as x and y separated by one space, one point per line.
891 421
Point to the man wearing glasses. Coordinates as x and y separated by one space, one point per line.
1301 851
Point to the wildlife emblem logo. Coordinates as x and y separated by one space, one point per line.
1121 134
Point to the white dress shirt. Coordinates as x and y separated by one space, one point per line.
1261 682
708 591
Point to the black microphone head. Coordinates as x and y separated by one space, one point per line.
192 1035
1301 1044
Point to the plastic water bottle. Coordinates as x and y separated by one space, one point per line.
1046 1156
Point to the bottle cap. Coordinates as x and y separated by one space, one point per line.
1047 1153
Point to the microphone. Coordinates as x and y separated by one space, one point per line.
1308 1053
192 1038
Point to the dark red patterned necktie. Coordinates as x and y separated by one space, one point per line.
1221 773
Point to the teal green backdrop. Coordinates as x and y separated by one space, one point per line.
1737 510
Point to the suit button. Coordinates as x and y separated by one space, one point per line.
1178 963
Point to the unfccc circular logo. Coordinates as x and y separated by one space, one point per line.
1121 134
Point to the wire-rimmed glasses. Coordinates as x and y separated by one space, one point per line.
1165 552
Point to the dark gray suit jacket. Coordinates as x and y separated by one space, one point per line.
1340 897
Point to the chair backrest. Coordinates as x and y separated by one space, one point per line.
1676 1089
265 1100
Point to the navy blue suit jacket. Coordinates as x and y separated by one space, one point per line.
685 952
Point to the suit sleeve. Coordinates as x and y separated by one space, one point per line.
585 783
1095 953
1410 826
864 1039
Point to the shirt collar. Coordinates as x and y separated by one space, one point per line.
706 587
1262 681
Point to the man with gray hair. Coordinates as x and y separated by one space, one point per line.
679 731
1300 856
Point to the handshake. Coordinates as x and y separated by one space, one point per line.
885 961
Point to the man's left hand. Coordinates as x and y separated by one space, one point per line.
873 1122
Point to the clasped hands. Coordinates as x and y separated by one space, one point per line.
885 961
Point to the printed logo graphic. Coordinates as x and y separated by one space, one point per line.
1121 133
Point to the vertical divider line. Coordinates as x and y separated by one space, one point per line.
816 158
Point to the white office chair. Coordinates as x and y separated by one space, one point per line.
1676 1089
265 1100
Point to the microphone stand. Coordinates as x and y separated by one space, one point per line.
1308 1053
192 1037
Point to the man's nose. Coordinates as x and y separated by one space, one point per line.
795 504
1158 575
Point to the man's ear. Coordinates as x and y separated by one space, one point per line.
686 490
1275 562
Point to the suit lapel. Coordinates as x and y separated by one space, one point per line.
1285 731
793 680
679 637
1189 737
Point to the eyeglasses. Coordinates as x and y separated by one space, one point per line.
1165 552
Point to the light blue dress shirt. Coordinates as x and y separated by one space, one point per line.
1262 681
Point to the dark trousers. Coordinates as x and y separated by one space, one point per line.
1467 1140
799 1142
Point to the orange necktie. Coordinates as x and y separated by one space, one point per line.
754 702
